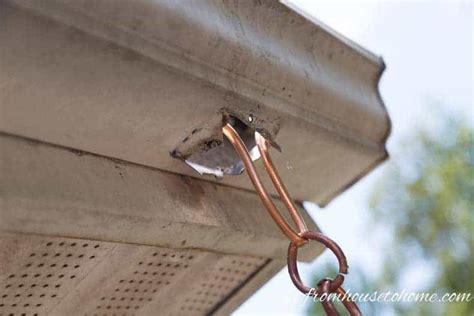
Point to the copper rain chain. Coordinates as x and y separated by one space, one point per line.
297 238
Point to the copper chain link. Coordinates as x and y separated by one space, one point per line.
297 238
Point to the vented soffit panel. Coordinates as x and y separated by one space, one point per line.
138 80
82 234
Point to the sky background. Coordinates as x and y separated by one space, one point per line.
428 48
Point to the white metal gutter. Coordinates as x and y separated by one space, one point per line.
154 71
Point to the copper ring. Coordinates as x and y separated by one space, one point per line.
331 245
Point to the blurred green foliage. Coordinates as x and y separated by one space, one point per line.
425 204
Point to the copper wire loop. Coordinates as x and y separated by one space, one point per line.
278 183
239 146
328 306
331 245
349 304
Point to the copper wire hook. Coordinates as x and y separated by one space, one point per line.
278 183
239 146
